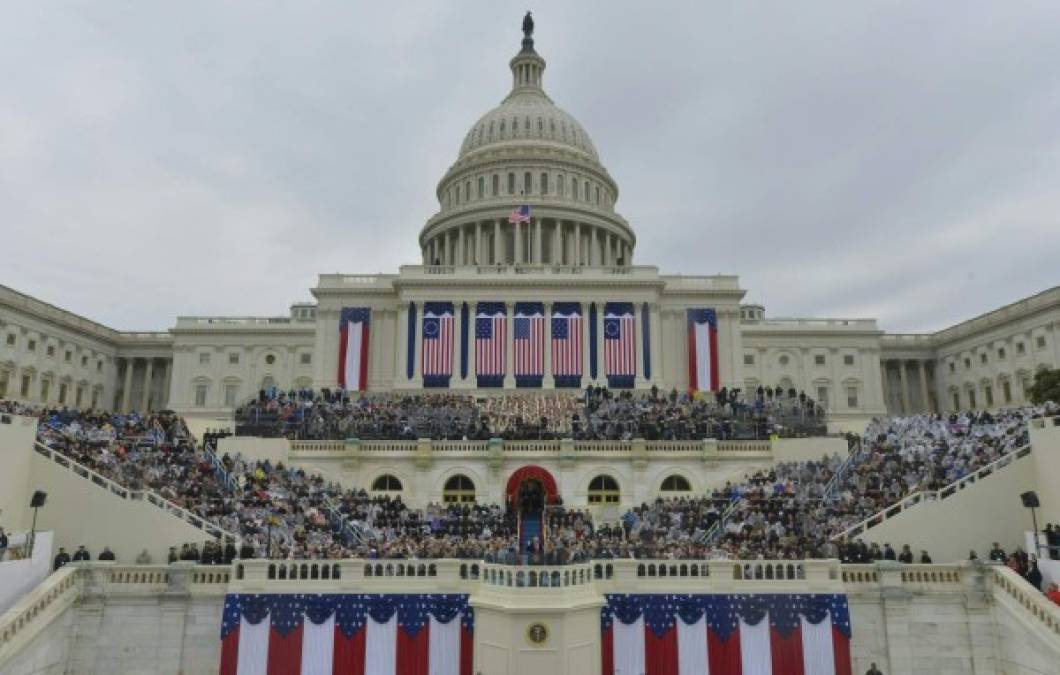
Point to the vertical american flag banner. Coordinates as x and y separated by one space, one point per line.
528 343
312 634
620 345
567 344
353 348
491 343
702 350
437 356
781 634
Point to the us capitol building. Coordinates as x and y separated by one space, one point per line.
486 263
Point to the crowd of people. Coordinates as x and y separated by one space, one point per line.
793 510
596 413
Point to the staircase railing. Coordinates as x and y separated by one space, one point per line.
919 496
119 490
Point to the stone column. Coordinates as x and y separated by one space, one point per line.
460 258
401 349
609 256
577 243
549 381
539 256
498 256
167 382
924 398
586 372
127 390
450 253
417 362
883 386
601 376
509 346
518 234
478 242
458 334
904 400
148 374
638 333
656 343
594 251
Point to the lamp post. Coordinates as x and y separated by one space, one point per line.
36 501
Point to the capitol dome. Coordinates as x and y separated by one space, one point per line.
527 152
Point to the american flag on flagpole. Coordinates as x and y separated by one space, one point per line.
529 343
520 215
620 345
567 343
491 343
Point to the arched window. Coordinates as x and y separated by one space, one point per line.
386 483
511 183
603 490
467 191
527 183
586 194
481 187
544 183
496 185
675 483
573 188
458 490
561 186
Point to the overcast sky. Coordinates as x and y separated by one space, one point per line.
897 160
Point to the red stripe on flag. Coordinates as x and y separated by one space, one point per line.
363 384
714 377
607 652
841 652
344 335
413 652
660 652
348 653
693 385
786 652
285 653
724 657
467 651
230 653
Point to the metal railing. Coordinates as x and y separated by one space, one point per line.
119 490
920 496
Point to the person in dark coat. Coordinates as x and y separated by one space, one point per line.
82 554
1034 575
106 554
61 559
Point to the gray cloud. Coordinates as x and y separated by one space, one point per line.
897 160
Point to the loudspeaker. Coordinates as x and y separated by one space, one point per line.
1030 500
39 497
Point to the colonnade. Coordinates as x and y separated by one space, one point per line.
541 241
910 396
148 377
648 351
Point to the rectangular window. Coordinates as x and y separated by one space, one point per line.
822 396
68 356
956 400
967 363
748 359
10 339
233 358
1040 341
818 360
45 387
852 397
982 358
1006 391
1001 354
305 359
99 366
84 361
204 358
1021 348
971 399
1025 386
848 360
31 346
95 398
200 395
50 351
3 384
988 394
79 396
231 394
24 391
953 367
62 393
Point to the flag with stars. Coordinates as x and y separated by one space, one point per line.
490 343
528 338
620 345
567 344
312 634
750 634
437 353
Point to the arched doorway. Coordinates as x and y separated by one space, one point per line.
530 489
